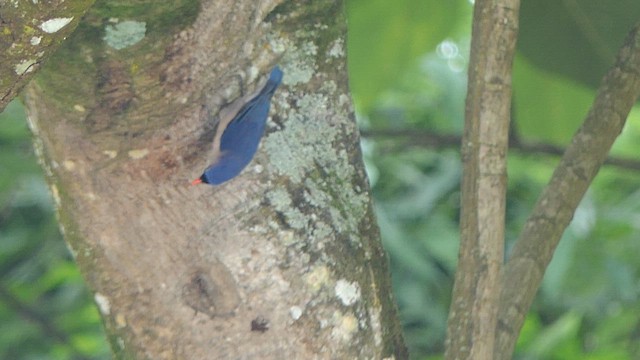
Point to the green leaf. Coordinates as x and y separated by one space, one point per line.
547 106
561 336
575 38
391 35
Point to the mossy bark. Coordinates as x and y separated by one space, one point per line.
30 31
284 261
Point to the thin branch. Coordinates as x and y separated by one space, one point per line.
435 140
476 292
552 213
26 45
49 328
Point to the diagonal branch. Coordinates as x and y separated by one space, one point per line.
45 323
555 207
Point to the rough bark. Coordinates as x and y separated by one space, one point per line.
554 209
284 261
30 31
474 306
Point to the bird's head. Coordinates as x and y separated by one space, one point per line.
225 168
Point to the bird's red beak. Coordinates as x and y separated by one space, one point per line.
196 181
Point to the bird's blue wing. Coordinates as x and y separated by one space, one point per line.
243 133
240 139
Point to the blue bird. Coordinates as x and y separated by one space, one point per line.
239 132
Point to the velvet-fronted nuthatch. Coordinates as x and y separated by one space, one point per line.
239 132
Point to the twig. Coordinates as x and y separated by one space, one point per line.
435 140
50 329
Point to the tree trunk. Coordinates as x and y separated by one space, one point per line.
285 260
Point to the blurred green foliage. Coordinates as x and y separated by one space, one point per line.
45 310
407 62
588 304
588 34
395 35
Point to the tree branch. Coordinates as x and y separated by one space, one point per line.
435 140
557 203
474 306
28 313
29 33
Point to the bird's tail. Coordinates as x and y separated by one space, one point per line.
275 78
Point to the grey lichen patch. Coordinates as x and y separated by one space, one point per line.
293 149
318 197
288 237
300 60
54 25
124 34
301 73
24 66
322 230
337 49
347 292
314 195
281 200
295 312
329 87
277 44
308 49
311 149
103 304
